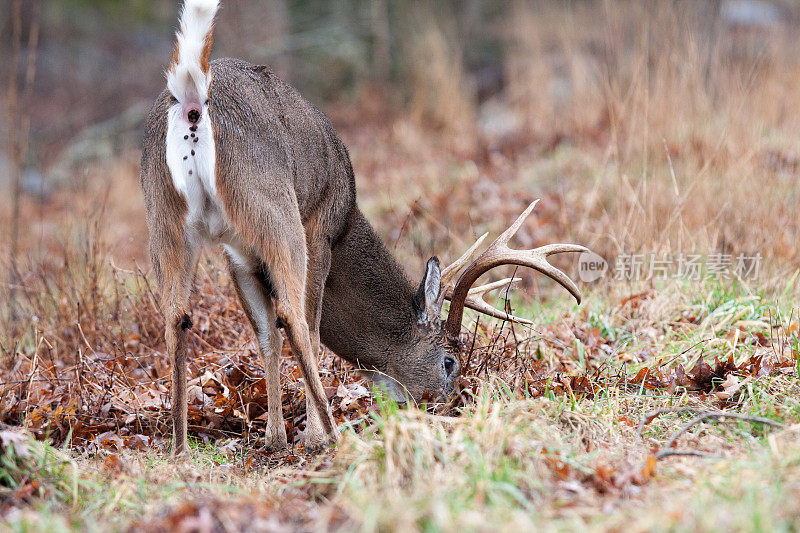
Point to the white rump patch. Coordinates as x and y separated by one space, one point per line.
191 158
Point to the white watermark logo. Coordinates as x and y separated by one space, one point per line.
692 267
591 267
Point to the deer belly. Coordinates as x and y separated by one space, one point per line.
191 158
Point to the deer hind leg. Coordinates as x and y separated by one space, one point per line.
255 293
176 271
319 263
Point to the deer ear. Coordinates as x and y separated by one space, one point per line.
427 304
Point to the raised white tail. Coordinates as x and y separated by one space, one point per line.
191 152
188 76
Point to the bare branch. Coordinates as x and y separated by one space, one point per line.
668 448
686 453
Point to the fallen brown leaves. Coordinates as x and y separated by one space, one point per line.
97 371
702 377
241 514
104 381
31 470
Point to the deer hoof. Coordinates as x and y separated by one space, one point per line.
181 450
317 441
277 444
276 440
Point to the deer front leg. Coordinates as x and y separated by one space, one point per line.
254 290
297 333
274 233
288 273
276 429
319 262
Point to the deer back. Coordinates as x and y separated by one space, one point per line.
272 148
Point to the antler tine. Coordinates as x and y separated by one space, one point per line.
483 289
475 301
514 228
550 249
499 253
536 260
451 271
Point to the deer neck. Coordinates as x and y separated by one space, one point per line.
367 310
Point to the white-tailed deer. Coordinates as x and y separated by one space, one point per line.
234 156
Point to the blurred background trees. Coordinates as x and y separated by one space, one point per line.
635 114
439 61
99 57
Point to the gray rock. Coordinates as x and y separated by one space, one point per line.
35 184
750 14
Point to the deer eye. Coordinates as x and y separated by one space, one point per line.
448 365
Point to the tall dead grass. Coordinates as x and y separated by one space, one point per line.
691 121
652 126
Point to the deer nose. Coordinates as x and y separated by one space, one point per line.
193 115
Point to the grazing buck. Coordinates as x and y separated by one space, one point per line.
234 156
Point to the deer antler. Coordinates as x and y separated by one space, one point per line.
498 253
474 298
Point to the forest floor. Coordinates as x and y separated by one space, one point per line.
670 409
